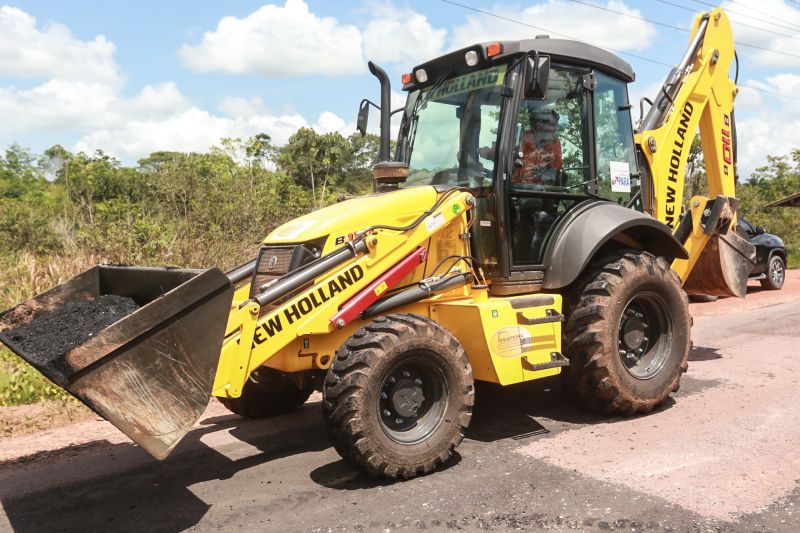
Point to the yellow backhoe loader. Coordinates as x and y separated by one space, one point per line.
522 229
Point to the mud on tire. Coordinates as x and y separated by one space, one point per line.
268 393
628 334
398 396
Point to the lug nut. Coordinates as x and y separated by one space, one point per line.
392 379
384 396
386 412
398 420
418 381
406 374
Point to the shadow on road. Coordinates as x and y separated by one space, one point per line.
150 495
702 353
519 411
122 488
340 475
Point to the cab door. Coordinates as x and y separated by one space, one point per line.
552 167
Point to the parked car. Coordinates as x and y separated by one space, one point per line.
770 268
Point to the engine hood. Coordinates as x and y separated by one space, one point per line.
339 221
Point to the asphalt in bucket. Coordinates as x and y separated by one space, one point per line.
46 339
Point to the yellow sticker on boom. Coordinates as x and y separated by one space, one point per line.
381 288
473 81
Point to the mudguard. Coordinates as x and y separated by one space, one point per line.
580 235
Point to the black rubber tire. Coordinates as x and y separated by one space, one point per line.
597 374
776 274
351 395
268 393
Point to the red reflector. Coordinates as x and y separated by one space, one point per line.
494 49
406 79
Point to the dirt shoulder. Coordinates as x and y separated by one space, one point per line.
19 420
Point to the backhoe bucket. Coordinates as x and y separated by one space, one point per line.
723 267
149 373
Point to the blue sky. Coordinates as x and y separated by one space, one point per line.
132 77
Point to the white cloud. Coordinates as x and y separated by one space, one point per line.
577 21
778 18
59 105
83 94
53 52
401 35
766 124
278 41
54 105
238 106
197 130
637 90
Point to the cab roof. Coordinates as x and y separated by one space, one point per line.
560 51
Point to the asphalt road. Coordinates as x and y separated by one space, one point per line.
723 454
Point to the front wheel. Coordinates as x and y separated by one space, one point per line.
398 396
628 334
776 274
268 393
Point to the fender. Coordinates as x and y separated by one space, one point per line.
583 232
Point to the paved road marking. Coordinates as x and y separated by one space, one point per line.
727 450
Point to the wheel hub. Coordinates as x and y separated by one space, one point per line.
633 334
411 402
777 273
407 398
643 340
402 398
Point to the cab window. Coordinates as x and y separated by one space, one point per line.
616 156
551 142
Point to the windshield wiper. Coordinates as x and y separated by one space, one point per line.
411 122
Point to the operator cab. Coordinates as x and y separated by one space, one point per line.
535 128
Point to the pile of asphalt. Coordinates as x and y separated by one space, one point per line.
46 339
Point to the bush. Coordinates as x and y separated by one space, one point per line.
20 383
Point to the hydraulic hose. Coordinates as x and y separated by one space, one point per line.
415 294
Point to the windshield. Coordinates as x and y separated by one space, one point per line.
449 130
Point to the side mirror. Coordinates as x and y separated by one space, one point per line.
537 77
363 117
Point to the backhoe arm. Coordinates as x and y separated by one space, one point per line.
699 93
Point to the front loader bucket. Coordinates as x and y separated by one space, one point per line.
723 267
149 373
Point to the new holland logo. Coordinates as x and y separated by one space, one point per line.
273 261
273 324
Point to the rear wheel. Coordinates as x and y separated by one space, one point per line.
776 274
268 393
398 396
628 334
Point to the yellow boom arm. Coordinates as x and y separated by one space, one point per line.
698 92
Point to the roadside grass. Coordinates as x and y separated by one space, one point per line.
23 275
794 257
22 384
